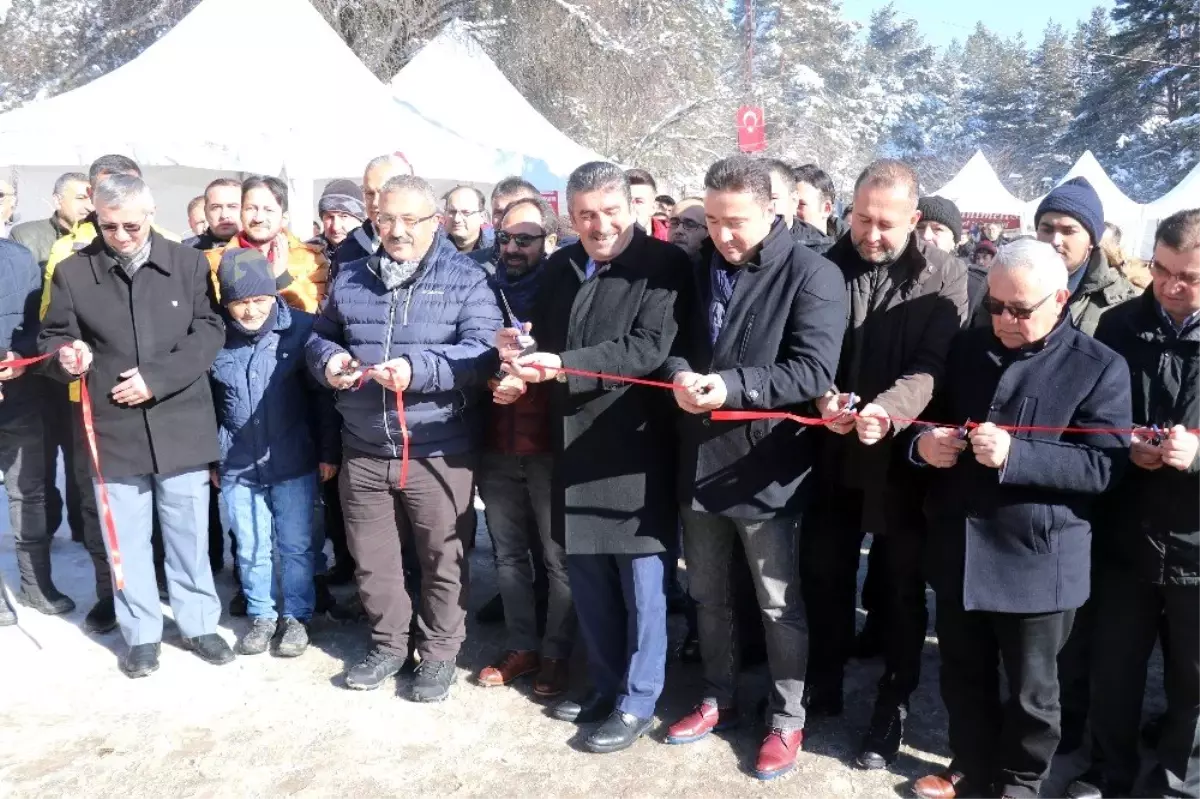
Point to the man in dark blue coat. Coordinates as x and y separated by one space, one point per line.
417 318
1009 520
21 430
765 334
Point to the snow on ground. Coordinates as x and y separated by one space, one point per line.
72 725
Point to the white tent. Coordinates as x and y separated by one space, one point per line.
150 110
978 192
1118 208
1184 195
497 115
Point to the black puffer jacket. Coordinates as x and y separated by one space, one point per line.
1150 522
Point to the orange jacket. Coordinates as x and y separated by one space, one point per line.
307 265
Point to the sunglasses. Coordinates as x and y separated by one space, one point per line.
997 308
521 239
129 227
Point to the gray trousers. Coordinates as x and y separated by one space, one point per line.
22 459
772 552
182 501
511 486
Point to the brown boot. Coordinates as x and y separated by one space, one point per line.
512 664
553 678
944 785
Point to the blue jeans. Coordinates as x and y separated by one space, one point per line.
275 521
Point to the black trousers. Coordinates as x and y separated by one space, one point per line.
1007 745
1131 614
335 524
58 415
830 550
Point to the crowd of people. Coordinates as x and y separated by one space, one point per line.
743 381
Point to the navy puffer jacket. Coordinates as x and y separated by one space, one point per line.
20 293
274 422
443 322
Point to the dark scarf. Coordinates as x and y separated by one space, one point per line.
722 281
518 291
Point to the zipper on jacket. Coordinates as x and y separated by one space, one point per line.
407 302
387 354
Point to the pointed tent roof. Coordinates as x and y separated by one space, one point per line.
501 117
977 189
1184 195
1118 208
165 124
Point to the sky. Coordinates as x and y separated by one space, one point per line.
940 25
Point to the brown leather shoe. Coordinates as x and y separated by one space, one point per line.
943 785
553 678
511 665
777 755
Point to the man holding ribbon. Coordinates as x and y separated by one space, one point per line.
403 337
134 314
607 313
1043 415
764 336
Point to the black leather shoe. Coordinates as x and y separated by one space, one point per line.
102 618
593 707
49 602
882 741
140 660
619 731
210 648
1093 785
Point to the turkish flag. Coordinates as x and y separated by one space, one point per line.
751 127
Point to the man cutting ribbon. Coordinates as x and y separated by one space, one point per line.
134 313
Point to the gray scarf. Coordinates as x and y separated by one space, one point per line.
132 263
396 274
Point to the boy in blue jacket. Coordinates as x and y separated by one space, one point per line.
279 433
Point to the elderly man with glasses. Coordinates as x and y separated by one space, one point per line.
133 315
417 317
464 220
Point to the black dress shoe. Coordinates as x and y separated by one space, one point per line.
593 707
210 648
140 660
48 601
1093 785
102 618
882 741
619 731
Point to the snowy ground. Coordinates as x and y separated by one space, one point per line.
72 725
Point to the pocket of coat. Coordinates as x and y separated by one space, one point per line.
744 343
1042 524
1026 416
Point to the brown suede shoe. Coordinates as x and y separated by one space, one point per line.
943 785
553 679
511 665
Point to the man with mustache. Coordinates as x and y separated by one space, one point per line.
422 317
301 270
907 301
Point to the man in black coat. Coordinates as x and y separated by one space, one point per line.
1147 564
608 304
1009 520
764 334
134 314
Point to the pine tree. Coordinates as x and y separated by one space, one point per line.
1055 97
898 71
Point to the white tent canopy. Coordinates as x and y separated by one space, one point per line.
501 117
1185 195
144 110
977 190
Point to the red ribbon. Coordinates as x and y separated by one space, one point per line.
110 526
405 435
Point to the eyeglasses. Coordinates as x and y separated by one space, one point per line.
385 220
522 239
997 308
457 212
1188 279
132 228
690 225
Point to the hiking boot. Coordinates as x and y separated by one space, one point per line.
257 638
294 640
377 666
882 741
48 601
102 618
432 680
